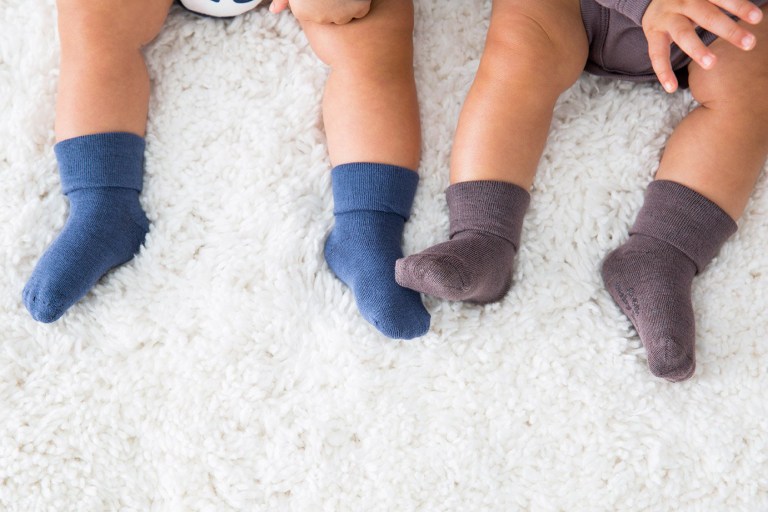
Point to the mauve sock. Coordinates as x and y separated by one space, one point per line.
475 265
677 232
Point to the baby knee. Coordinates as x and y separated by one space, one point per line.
521 46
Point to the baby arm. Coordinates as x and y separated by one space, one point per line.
338 12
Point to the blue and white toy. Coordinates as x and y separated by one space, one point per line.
220 8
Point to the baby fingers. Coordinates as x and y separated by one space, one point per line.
709 17
659 53
683 33
742 9
278 6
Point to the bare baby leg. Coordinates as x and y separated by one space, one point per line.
533 53
371 118
705 178
101 115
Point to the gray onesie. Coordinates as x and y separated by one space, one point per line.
617 44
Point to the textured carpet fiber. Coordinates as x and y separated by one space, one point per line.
225 368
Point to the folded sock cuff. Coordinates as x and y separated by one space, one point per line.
684 219
494 207
114 159
373 187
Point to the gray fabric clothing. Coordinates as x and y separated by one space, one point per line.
617 45
632 9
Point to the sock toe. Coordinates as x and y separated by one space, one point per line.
407 324
41 309
472 267
395 311
443 276
669 360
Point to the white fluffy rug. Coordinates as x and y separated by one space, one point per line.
225 368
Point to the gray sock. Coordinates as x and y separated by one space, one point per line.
475 265
677 232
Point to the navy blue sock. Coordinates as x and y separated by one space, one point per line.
371 204
101 176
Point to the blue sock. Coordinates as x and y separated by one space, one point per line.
372 203
101 176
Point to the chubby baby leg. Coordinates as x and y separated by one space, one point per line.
101 113
104 85
704 181
534 51
371 121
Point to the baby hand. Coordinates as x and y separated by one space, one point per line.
338 12
668 21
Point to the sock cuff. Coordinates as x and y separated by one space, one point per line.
373 187
494 207
114 159
684 219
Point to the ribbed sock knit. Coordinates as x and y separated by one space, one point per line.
371 204
677 232
486 219
101 175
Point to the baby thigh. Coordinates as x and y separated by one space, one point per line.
719 150
370 110
104 84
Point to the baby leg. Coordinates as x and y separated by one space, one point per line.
100 118
104 85
371 120
534 51
705 178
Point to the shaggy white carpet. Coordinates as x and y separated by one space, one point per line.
225 368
